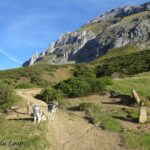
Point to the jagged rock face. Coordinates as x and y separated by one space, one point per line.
119 27
68 46
65 49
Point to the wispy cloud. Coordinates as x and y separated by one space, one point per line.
9 57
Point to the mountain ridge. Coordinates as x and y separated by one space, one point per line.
119 27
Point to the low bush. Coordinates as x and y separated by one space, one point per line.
99 84
10 101
5 92
93 111
50 94
83 71
85 106
111 124
7 96
24 85
76 87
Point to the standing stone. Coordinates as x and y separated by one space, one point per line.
143 114
136 96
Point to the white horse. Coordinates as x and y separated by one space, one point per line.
38 114
52 108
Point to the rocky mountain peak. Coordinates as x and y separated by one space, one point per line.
129 25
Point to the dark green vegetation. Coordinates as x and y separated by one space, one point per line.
7 96
83 86
83 83
128 65
50 94
24 132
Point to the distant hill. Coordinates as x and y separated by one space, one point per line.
117 28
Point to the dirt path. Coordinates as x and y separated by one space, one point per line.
72 132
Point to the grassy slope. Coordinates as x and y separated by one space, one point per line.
96 28
140 82
40 74
127 64
122 51
134 16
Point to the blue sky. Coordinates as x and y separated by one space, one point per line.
29 26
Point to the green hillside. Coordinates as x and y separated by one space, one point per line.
130 64
36 75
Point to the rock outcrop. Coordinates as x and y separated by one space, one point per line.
129 25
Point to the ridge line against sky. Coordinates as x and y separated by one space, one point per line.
31 25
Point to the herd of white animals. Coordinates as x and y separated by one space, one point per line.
39 115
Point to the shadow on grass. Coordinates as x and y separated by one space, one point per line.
22 119
123 100
89 119
74 108
113 103
126 119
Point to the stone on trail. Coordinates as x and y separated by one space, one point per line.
143 114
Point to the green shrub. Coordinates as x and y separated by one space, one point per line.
5 92
7 82
99 84
10 101
95 116
85 106
7 96
110 124
74 87
24 85
83 71
50 94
